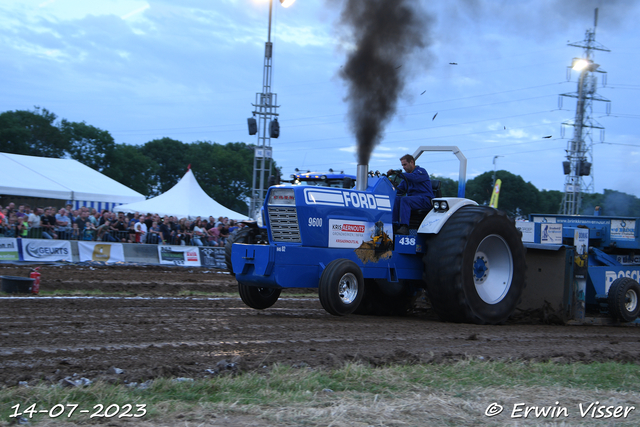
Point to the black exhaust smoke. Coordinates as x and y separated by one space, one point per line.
385 33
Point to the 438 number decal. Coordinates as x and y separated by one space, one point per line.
407 241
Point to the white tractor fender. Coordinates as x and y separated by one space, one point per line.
435 219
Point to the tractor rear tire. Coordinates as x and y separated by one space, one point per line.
341 287
623 299
475 268
258 298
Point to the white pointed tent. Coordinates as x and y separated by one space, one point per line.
186 199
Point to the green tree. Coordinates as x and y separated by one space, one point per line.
33 133
517 197
132 168
224 172
172 159
549 201
89 145
448 186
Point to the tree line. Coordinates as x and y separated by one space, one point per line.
225 171
519 198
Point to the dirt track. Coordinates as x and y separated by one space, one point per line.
157 332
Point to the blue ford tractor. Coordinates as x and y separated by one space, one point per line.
469 259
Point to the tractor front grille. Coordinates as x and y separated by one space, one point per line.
284 224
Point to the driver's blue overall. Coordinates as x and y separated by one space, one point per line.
419 195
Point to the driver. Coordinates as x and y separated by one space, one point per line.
419 193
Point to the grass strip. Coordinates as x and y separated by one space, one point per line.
444 394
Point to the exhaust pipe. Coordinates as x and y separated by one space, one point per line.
362 180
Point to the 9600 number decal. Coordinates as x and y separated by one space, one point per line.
315 222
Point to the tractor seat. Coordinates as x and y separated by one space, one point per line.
418 215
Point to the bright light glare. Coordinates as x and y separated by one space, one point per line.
580 64
287 3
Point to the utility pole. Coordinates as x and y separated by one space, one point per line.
579 152
493 183
265 108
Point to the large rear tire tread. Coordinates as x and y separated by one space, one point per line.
258 298
329 290
623 299
449 273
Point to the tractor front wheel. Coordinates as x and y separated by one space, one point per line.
341 287
258 298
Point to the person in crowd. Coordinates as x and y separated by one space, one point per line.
11 208
48 224
105 216
224 234
233 226
103 232
75 232
148 220
155 235
185 232
89 231
198 233
140 228
82 217
35 230
63 223
69 209
214 236
121 228
23 226
11 227
165 230
94 217
20 212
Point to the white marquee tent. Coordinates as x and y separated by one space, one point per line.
61 179
186 199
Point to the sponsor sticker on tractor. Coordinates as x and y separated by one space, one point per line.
623 229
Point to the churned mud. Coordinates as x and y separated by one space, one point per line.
154 322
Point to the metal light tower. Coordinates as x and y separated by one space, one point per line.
267 127
579 152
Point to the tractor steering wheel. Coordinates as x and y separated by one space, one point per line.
396 177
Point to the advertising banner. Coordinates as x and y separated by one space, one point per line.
622 229
551 234
528 230
351 234
9 249
212 257
46 250
102 252
179 255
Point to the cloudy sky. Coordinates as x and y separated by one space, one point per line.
190 70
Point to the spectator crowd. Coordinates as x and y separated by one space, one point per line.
90 225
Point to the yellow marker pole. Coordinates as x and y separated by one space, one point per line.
495 194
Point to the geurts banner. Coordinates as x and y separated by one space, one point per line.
46 250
